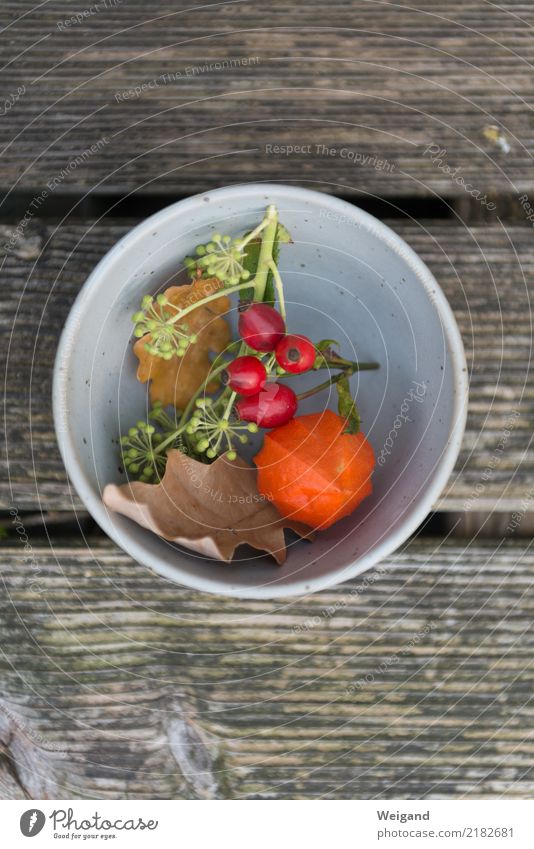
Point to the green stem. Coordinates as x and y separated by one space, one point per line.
186 413
170 439
230 404
325 385
270 363
337 361
349 364
182 313
226 415
351 367
279 288
211 376
266 253
256 232
191 403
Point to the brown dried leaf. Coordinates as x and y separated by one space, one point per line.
176 381
211 509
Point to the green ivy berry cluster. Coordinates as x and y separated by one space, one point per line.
158 321
223 258
214 433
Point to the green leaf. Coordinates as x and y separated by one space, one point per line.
252 255
269 294
282 235
324 344
346 406
250 264
323 347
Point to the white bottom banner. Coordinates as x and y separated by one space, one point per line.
244 824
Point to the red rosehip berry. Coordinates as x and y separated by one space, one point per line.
275 405
246 375
295 353
261 327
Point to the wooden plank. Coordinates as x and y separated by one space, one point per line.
486 272
189 97
414 683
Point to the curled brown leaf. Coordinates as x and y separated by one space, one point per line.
211 509
175 381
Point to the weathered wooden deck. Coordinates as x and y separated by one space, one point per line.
416 682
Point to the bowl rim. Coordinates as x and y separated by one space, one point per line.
391 541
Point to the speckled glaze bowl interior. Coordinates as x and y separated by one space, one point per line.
347 277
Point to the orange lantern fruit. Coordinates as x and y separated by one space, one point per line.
314 472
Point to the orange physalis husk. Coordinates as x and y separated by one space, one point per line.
313 472
175 381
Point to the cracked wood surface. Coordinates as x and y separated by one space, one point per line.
485 271
414 680
379 80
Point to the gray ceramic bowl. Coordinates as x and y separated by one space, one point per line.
347 277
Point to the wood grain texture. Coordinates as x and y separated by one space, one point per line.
414 683
486 272
381 79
